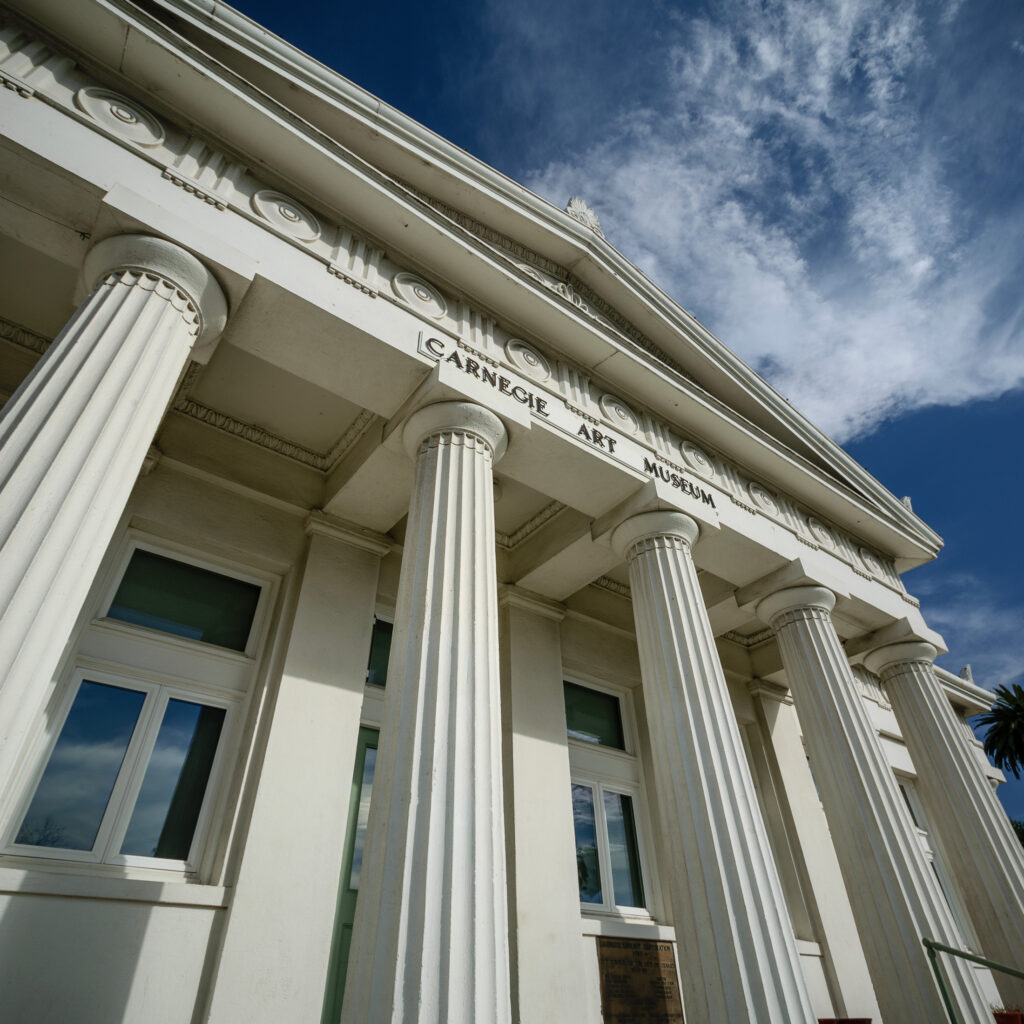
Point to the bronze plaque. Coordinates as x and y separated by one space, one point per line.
638 982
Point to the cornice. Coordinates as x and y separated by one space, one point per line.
323 525
534 523
755 639
613 587
23 337
963 692
517 597
574 290
508 202
207 172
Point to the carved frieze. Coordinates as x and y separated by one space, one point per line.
424 298
120 115
287 215
525 358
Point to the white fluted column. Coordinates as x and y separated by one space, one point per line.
72 441
430 940
970 824
737 954
893 893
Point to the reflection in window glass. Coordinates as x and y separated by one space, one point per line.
362 815
72 796
587 867
176 597
627 883
167 809
593 717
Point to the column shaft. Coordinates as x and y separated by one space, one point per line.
72 442
738 957
430 941
970 824
894 896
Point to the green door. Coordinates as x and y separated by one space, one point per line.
351 866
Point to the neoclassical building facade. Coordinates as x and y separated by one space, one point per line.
408 613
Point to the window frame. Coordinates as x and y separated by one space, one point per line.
131 774
136 541
108 651
610 769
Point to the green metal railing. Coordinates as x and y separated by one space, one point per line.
934 948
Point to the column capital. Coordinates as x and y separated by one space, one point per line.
898 654
163 259
455 417
791 599
654 524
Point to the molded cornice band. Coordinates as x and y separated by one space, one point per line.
794 599
455 418
170 262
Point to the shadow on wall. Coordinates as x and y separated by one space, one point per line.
100 961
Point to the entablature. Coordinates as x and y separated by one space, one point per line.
148 51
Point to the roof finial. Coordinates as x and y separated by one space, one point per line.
578 210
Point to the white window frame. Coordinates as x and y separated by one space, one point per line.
139 542
609 769
229 678
121 803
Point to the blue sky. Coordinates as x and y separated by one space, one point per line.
833 187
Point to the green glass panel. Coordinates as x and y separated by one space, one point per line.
627 883
164 818
348 888
175 597
362 816
593 717
588 868
71 798
380 653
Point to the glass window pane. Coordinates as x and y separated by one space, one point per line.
587 868
175 597
362 815
380 652
593 717
167 809
626 881
910 806
73 793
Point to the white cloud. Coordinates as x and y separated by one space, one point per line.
788 189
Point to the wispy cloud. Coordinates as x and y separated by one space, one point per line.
794 174
980 626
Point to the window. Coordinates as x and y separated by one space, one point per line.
127 771
127 775
605 803
380 653
185 600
